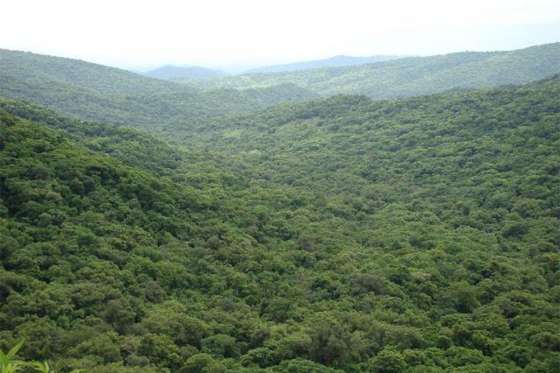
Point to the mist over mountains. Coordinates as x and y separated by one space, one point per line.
173 72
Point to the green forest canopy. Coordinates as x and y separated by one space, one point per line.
338 235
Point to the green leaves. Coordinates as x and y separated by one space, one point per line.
8 361
14 350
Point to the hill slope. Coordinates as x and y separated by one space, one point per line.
335 61
338 235
418 75
99 93
129 146
37 69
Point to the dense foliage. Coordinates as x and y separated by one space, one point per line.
99 93
415 75
9 363
416 235
129 145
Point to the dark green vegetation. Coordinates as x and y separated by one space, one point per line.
170 72
131 146
419 235
99 93
415 76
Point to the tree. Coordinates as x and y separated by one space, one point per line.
387 361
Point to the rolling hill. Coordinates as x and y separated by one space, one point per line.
343 234
336 61
99 93
415 76
36 69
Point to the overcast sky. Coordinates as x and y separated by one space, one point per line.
137 33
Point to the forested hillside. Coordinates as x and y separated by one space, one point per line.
128 145
341 235
99 93
416 75
335 61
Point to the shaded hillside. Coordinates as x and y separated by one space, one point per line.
418 75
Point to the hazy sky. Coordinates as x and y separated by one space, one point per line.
134 33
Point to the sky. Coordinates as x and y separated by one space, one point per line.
248 33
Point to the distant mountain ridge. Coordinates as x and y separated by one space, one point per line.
188 72
100 93
414 76
173 72
336 61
